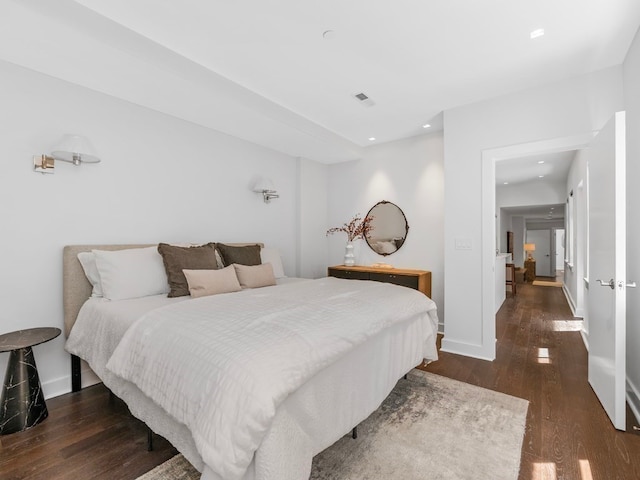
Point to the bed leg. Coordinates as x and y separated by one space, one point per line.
76 377
354 433
149 440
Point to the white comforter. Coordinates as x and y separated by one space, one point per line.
222 369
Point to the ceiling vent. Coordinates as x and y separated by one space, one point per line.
363 99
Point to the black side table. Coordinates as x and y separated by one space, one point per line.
22 404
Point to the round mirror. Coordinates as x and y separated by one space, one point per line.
389 228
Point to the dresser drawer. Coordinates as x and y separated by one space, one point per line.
410 281
354 275
417 279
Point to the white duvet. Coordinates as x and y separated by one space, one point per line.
222 369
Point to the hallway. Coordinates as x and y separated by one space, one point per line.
541 357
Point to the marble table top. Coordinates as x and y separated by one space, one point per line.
27 338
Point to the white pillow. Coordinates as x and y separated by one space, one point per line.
88 262
272 256
212 282
131 273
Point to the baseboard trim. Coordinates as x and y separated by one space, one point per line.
465 349
633 399
62 385
572 304
57 387
585 339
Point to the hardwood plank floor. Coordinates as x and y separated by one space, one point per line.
568 434
88 435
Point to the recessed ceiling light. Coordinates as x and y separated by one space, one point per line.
371 139
541 161
538 32
540 176
506 183
551 208
426 125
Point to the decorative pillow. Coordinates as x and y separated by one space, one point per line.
272 256
131 273
212 282
177 258
255 276
88 262
245 255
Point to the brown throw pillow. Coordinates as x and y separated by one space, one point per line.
245 255
177 259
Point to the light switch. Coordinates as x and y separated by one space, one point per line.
463 244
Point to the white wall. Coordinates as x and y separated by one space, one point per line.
573 274
530 193
313 188
568 108
161 179
632 106
523 194
408 173
519 231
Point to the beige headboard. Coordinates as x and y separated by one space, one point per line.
76 289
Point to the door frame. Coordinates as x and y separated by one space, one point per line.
488 248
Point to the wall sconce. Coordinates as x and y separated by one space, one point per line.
74 149
529 247
266 188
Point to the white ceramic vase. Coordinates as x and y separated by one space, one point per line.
349 257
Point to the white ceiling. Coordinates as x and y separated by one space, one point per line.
549 167
538 213
261 69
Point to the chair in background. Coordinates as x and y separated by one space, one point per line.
511 277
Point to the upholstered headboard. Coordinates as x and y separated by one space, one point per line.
76 289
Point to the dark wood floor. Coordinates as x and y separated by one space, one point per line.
568 436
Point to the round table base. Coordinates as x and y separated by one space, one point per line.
22 404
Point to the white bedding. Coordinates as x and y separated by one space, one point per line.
268 441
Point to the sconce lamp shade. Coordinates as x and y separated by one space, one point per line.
263 184
75 149
265 187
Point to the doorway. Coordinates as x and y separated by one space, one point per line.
542 254
489 158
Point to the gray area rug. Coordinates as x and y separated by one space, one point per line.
429 427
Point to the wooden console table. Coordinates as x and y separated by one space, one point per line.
417 279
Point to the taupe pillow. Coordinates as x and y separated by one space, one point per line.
212 282
177 259
255 276
245 255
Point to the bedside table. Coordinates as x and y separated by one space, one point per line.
22 404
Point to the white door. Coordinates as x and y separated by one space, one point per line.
542 240
606 301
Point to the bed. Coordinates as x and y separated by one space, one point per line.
334 370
